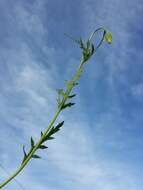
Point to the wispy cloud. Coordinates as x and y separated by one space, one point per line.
91 150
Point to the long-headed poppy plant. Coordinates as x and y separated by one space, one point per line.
63 101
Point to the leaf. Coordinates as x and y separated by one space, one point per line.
43 147
92 49
50 132
67 105
108 37
55 129
41 133
75 83
36 156
71 96
49 138
32 142
25 154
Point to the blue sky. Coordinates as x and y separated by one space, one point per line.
101 144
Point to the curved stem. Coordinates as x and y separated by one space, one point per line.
98 29
102 39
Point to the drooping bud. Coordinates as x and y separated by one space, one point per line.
108 37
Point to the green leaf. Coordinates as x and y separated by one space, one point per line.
49 138
75 83
36 156
41 133
108 37
67 105
55 129
92 49
32 142
71 96
51 132
43 147
25 154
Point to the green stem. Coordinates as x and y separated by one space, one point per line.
30 154
65 98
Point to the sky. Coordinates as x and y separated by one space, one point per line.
100 146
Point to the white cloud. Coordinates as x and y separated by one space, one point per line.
137 90
29 18
118 17
72 154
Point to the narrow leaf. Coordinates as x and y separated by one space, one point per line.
24 151
71 96
41 133
36 156
67 105
54 130
92 49
51 132
25 155
75 83
43 147
32 142
49 138
57 128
